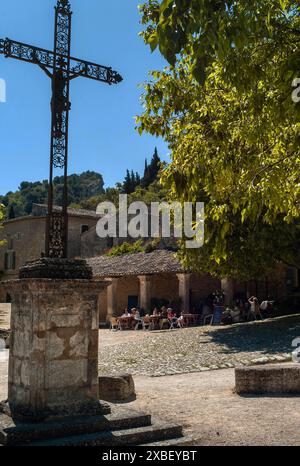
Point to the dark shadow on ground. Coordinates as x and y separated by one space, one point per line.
267 337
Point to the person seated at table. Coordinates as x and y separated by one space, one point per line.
136 314
126 313
136 318
164 312
172 315
156 312
180 320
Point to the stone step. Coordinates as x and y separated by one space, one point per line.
176 442
158 431
14 434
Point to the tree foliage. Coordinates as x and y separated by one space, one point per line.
127 248
2 211
234 141
131 182
207 30
80 187
151 170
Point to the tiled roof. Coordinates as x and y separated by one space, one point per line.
160 261
41 209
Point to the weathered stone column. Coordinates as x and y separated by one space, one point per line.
53 361
112 291
228 288
184 291
145 292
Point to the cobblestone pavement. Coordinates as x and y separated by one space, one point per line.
197 349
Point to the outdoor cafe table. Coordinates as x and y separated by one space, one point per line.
190 318
125 322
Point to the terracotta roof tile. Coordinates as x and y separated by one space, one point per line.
160 261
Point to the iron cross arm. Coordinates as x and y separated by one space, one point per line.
45 59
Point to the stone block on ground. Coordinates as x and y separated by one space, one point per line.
116 387
271 378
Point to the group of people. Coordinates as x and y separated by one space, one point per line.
248 310
242 310
160 317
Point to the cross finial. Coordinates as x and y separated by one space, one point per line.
64 4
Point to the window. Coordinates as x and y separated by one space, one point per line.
10 243
84 228
10 260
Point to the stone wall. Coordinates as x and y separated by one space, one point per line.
27 236
274 286
202 286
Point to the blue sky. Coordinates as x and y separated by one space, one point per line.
102 134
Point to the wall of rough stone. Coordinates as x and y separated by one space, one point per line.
28 237
202 286
274 286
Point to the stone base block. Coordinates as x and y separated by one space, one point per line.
116 388
271 378
121 427
25 414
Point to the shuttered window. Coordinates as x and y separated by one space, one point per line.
10 260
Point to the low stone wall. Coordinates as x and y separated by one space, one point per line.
5 311
271 378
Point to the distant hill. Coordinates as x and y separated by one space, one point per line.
86 191
84 186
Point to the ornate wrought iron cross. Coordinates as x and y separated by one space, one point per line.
61 68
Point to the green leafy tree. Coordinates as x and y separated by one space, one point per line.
127 248
131 182
218 29
245 54
83 186
151 171
237 153
11 213
2 213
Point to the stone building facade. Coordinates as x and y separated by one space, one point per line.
25 238
137 279
146 279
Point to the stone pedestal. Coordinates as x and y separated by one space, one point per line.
53 388
53 363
